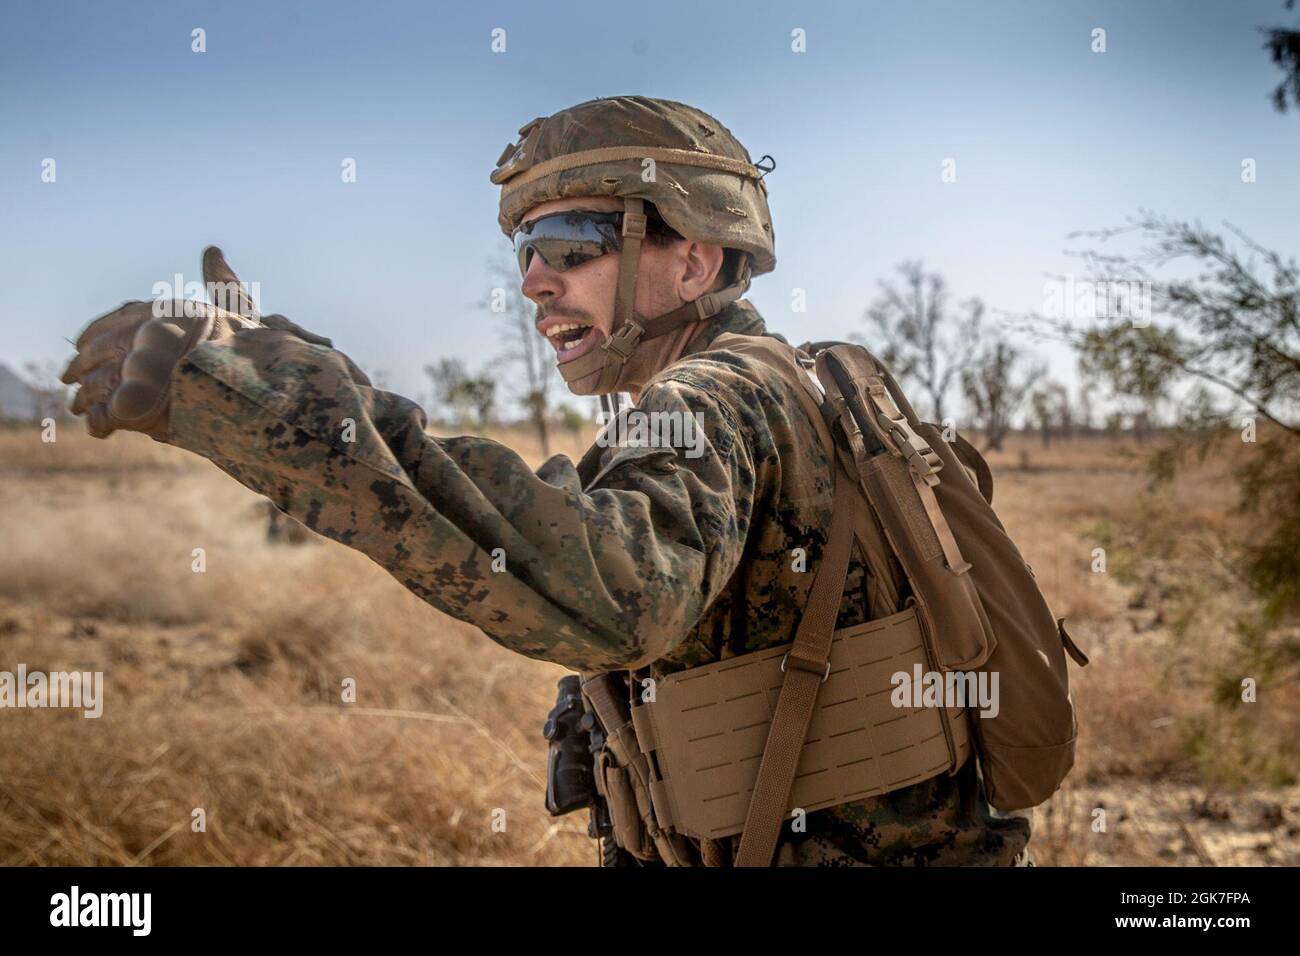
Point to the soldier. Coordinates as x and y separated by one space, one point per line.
638 224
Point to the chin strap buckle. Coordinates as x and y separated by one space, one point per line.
623 342
708 306
634 225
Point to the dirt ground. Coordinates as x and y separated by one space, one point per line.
222 688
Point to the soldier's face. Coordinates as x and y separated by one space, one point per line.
575 308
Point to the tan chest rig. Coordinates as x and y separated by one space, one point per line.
740 745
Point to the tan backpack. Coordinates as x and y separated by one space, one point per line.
736 746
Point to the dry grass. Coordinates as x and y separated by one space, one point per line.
1180 779
223 688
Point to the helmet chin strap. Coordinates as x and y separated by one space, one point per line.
631 328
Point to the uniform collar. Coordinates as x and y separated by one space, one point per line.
740 317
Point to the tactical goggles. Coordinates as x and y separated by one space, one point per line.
568 239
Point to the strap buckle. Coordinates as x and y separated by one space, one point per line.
914 449
623 342
803 664
908 445
707 306
634 224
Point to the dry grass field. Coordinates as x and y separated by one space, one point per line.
222 689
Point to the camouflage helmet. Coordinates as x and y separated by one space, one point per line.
699 177
704 184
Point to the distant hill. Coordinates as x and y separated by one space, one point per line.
22 401
18 398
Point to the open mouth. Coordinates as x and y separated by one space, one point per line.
571 339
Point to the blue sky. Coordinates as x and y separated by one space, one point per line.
161 150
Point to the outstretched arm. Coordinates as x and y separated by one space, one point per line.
614 576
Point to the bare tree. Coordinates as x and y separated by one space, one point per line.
1062 409
1087 405
995 390
529 352
461 393
481 394
1042 414
1114 423
920 339
448 377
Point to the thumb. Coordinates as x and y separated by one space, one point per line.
224 287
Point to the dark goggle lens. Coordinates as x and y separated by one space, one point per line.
566 240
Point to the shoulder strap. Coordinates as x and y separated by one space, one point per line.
971 458
806 666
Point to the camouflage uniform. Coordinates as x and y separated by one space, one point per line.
638 556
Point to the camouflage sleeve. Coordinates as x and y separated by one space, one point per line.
612 577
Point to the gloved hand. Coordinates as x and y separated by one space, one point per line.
125 359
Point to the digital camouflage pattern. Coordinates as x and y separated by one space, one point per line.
702 203
637 556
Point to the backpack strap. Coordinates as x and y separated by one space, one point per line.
805 666
971 458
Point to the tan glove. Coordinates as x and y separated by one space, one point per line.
125 359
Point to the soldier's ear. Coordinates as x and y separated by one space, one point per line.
224 288
700 269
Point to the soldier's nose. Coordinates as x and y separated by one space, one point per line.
541 282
